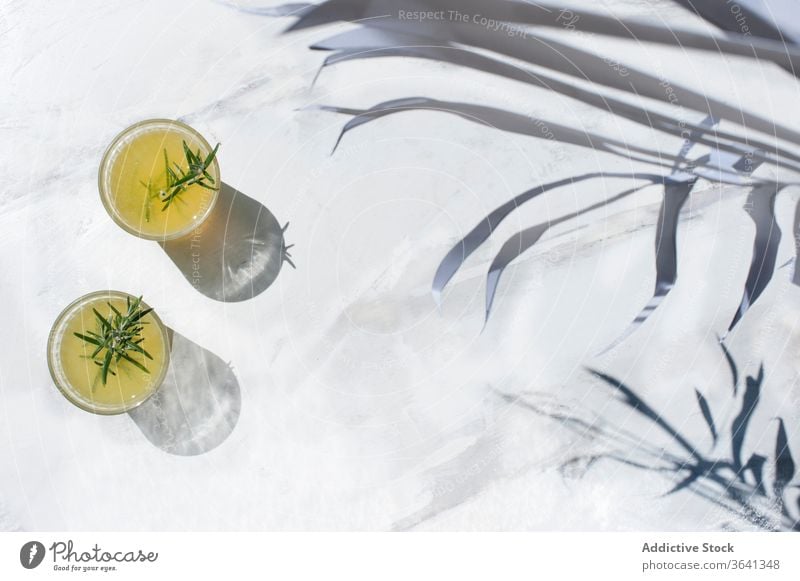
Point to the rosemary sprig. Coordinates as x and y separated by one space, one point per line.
179 177
148 201
117 336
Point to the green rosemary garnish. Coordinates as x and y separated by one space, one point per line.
178 178
118 335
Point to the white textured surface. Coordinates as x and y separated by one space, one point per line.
362 407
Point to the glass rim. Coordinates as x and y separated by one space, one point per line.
54 364
105 193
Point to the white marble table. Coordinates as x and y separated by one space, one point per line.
340 397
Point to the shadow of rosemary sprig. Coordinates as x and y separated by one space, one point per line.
178 179
733 480
117 336
286 256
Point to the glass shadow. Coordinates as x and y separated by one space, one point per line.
198 405
236 253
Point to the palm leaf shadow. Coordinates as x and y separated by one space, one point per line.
732 159
547 52
723 479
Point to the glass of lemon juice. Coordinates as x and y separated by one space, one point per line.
159 179
108 352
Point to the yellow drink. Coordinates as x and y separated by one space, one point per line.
78 375
134 185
